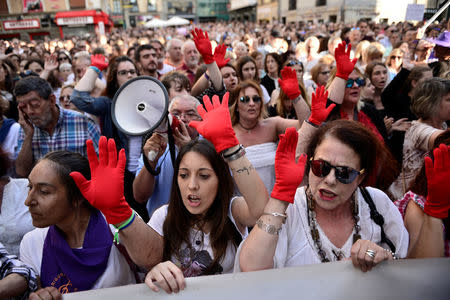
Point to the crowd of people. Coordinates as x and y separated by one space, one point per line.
297 144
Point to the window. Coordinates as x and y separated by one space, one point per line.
292 4
321 2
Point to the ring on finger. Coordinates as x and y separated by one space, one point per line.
370 253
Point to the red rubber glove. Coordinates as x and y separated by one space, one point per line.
438 178
99 61
216 125
319 109
344 64
219 55
289 83
288 173
105 189
203 45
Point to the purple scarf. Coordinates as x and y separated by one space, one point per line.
72 270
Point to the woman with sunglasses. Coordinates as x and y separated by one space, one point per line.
329 219
394 62
259 134
345 84
121 69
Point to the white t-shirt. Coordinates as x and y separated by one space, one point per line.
117 272
296 247
166 69
15 219
194 261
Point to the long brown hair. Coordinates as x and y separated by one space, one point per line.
179 220
112 84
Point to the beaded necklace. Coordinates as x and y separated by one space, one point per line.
312 222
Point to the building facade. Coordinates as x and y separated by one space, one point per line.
349 11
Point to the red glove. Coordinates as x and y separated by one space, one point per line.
319 109
216 125
344 64
105 189
438 178
289 83
288 173
203 45
99 61
219 55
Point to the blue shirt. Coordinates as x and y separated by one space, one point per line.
163 181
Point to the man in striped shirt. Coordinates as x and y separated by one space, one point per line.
16 279
45 126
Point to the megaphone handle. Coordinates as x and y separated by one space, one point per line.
151 155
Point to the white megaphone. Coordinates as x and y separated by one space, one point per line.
140 106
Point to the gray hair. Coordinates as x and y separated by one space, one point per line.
33 84
184 97
170 42
185 44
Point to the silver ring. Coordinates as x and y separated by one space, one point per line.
370 253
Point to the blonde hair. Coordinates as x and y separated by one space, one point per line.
360 49
333 75
394 52
374 52
234 98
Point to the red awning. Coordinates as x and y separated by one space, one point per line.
87 16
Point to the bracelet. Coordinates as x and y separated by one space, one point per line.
97 70
276 214
311 123
231 154
269 228
127 223
206 75
235 155
395 257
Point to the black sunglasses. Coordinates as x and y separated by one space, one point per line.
246 99
359 82
62 58
345 175
292 63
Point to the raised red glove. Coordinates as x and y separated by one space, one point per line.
216 125
99 61
438 178
219 55
288 173
289 83
105 189
203 45
319 109
344 64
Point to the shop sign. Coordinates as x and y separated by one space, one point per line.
75 20
22 24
